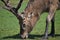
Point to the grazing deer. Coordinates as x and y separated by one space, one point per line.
28 18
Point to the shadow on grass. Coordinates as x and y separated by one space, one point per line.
31 36
17 36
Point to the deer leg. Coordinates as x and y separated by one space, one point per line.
49 18
52 27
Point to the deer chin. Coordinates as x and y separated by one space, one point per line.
24 36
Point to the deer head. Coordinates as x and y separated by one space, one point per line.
27 18
28 21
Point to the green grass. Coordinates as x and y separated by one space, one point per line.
9 25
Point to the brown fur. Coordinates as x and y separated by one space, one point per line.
33 11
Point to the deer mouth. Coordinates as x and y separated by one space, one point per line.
24 35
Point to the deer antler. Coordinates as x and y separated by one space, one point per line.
19 4
12 9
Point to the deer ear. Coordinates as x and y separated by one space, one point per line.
32 13
22 15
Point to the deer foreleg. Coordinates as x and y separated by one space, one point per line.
49 18
52 27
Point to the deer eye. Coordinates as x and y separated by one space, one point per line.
23 26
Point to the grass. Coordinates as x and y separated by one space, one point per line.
9 25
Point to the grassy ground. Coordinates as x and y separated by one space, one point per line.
9 25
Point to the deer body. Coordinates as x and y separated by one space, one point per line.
33 11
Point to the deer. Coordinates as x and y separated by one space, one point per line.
30 15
